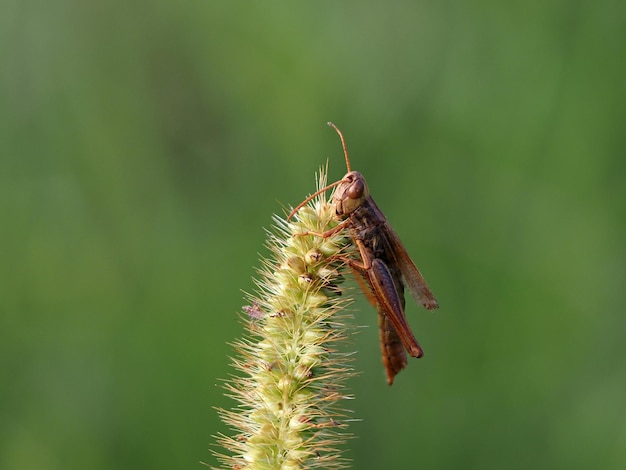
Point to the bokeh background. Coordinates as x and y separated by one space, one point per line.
145 145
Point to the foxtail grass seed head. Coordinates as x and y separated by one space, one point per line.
290 390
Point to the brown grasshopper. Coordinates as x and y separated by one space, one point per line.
384 264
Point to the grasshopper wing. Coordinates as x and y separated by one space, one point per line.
414 279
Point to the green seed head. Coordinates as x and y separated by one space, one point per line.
290 391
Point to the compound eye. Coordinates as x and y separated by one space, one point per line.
355 191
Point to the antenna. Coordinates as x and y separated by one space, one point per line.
343 144
316 193
320 191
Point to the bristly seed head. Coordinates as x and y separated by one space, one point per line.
286 416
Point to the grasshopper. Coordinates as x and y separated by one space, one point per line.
384 268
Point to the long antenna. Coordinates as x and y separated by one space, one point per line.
320 191
343 144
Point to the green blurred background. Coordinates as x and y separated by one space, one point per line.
145 145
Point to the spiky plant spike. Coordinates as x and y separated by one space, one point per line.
291 412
